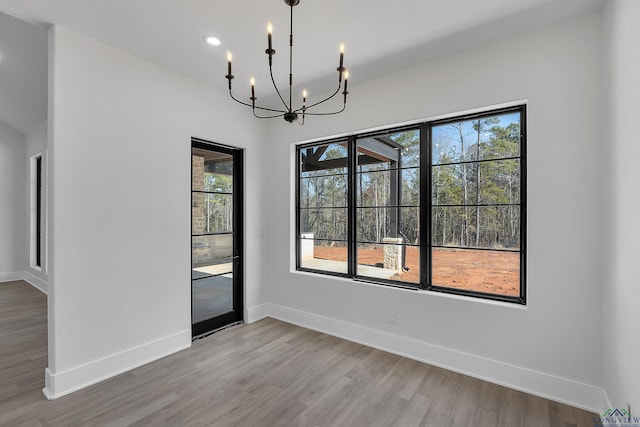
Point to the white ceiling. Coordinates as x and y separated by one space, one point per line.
379 36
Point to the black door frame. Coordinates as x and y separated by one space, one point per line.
237 315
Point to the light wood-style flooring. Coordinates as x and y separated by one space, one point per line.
268 373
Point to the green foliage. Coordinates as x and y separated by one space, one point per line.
218 208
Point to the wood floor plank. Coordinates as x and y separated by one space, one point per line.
561 415
269 373
444 398
585 418
414 412
466 403
512 409
536 412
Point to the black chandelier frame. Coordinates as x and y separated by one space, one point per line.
289 113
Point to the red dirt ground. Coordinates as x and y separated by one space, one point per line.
483 271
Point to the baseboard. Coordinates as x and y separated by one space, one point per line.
541 384
256 313
36 282
62 383
607 402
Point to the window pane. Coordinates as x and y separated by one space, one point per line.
478 139
410 187
458 227
388 187
389 261
324 223
377 224
374 188
499 182
390 151
212 171
477 270
326 159
211 213
323 191
457 184
500 136
453 184
328 256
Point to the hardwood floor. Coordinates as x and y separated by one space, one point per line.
268 373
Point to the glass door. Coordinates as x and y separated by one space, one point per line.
216 236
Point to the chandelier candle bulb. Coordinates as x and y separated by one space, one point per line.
269 32
253 88
229 58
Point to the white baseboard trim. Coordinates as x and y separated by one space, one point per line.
62 383
541 384
607 402
256 313
10 277
36 282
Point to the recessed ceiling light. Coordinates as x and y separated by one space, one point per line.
211 40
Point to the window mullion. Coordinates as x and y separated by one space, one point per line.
351 208
297 233
523 203
425 206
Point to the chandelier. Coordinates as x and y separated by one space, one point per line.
289 112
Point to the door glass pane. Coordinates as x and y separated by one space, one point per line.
212 171
207 250
211 297
212 213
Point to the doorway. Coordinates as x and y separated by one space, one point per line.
216 236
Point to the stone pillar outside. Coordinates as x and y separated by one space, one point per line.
200 251
306 245
393 253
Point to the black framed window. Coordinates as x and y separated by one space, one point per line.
438 206
323 207
387 206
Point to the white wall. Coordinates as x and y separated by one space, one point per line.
119 159
622 309
13 187
36 143
554 347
